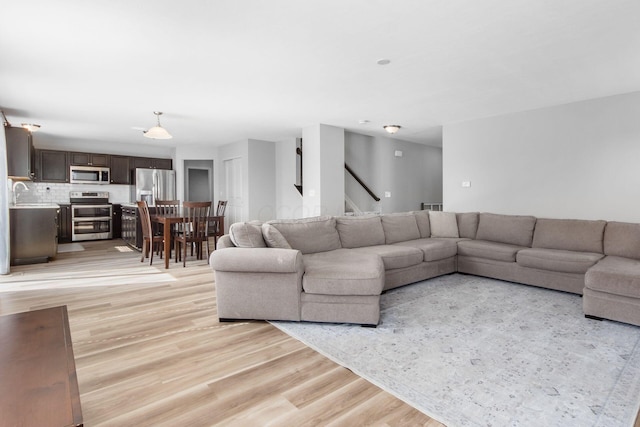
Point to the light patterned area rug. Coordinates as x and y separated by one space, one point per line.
473 351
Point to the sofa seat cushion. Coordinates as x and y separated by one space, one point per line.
557 260
615 275
394 256
433 249
488 250
343 272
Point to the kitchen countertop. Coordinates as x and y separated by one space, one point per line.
35 206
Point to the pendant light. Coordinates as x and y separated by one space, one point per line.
158 132
392 128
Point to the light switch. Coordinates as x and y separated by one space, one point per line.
398 153
387 194
466 184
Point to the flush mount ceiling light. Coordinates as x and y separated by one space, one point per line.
158 132
392 128
31 127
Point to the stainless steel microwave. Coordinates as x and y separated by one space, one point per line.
89 175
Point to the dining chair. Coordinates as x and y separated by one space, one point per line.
215 229
150 240
193 230
222 206
168 207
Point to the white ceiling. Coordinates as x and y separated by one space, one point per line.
227 70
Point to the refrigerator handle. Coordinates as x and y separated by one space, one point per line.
154 191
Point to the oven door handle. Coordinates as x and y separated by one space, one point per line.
97 218
79 205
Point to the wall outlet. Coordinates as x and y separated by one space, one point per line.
398 153
466 184
387 194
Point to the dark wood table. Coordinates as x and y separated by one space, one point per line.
38 383
167 222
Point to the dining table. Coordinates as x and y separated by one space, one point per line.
168 220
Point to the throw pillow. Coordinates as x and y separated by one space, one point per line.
273 237
246 235
443 224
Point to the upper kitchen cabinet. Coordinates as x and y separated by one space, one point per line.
20 153
163 164
53 166
88 159
147 162
121 170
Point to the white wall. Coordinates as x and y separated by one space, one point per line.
262 180
414 178
577 160
323 163
288 199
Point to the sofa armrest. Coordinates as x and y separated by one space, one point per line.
258 283
224 242
257 260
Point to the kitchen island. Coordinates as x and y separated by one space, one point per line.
34 232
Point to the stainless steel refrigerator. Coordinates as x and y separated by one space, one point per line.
154 184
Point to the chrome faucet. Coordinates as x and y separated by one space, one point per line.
13 190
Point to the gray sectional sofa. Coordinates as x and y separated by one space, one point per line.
333 269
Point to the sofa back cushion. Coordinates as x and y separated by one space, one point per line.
273 238
359 231
467 224
424 226
622 239
510 229
569 234
309 235
443 224
400 227
247 234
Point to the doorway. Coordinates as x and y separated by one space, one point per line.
198 180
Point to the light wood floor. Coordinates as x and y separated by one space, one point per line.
150 351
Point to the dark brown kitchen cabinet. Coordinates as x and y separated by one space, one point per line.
116 224
53 166
141 162
163 164
20 153
64 224
88 159
152 163
120 170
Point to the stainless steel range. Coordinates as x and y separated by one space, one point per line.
91 215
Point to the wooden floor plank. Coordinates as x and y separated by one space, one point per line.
150 350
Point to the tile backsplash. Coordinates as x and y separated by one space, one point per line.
49 192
